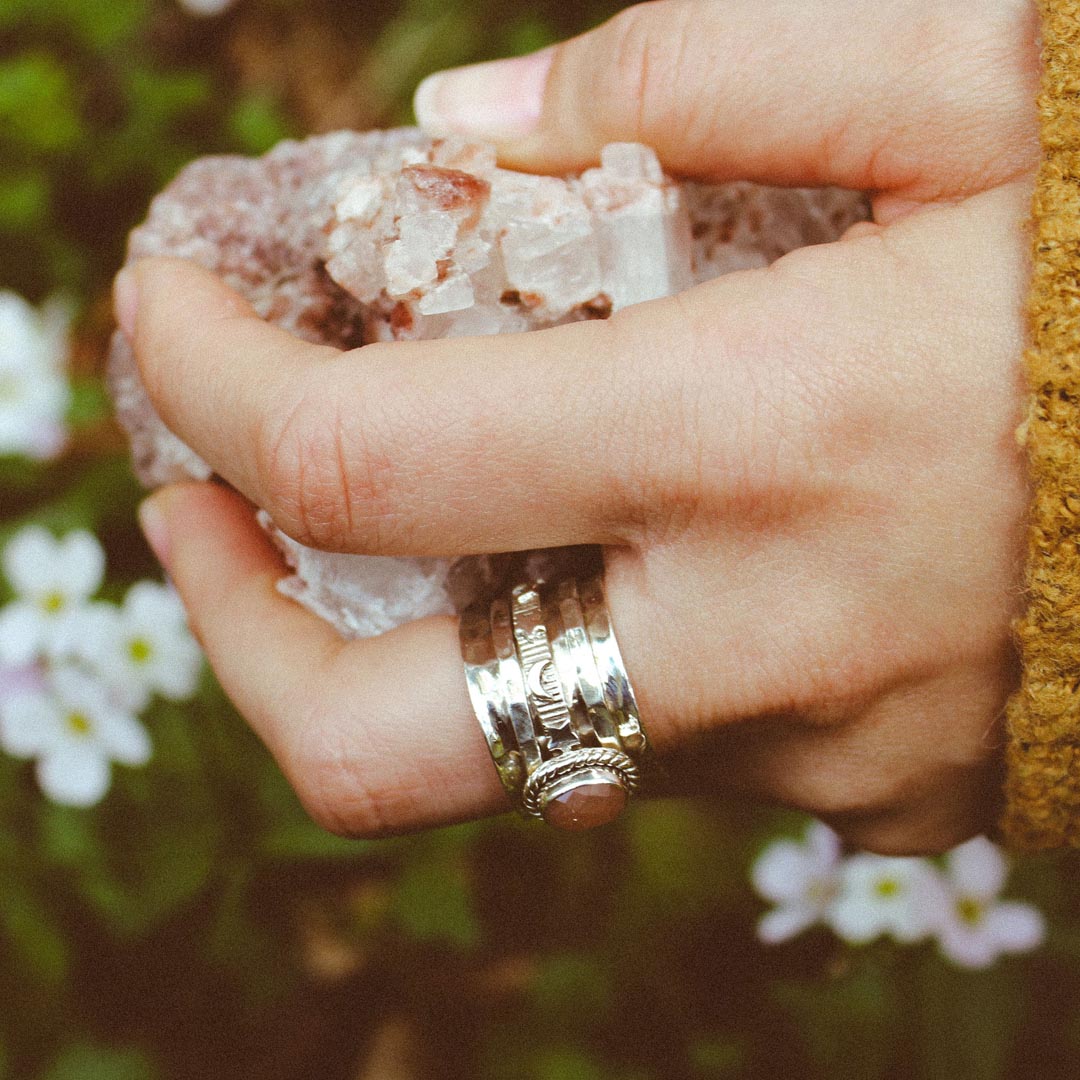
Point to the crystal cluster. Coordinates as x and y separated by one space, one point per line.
346 239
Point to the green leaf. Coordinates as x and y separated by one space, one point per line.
37 104
104 24
24 200
529 35
716 1057
104 493
90 404
969 1020
36 943
257 123
150 846
851 1024
242 943
305 840
566 1063
568 987
84 1062
433 899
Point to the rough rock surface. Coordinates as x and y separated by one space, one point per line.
346 239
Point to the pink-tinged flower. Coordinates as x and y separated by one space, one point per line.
879 895
34 391
975 927
52 580
75 730
20 680
800 878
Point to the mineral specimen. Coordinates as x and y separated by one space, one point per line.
346 239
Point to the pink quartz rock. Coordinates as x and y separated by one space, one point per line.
346 239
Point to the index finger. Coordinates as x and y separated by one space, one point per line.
448 447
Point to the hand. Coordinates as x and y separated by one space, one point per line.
805 477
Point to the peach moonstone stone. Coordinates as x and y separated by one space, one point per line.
584 801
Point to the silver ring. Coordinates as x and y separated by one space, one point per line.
553 699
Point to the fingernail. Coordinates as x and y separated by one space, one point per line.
126 301
499 100
152 523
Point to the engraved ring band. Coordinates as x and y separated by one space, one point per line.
551 693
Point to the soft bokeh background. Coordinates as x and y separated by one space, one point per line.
194 925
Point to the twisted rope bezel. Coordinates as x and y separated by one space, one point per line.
621 765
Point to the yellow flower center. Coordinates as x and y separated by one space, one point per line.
970 911
78 723
140 650
887 888
53 602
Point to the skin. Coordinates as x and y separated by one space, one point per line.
806 478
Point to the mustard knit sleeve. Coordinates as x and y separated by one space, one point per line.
1043 755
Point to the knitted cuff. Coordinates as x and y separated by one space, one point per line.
1043 754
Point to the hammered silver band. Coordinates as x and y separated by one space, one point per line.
551 693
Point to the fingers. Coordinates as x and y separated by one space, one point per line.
416 448
771 90
591 433
377 736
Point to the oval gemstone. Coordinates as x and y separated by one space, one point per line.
585 805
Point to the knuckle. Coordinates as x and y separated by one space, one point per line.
840 788
641 51
325 480
990 53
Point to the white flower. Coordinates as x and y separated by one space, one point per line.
52 579
206 7
34 392
801 879
75 730
143 647
976 927
880 895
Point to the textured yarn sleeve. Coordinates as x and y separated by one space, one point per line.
1043 754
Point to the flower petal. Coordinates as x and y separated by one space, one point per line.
782 871
29 724
1016 927
785 922
824 844
75 774
148 603
977 868
23 633
20 680
123 738
79 691
903 897
967 946
84 634
855 918
81 566
29 560
176 675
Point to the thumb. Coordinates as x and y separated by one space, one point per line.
869 96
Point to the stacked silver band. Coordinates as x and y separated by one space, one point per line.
550 690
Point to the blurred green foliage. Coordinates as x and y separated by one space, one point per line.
197 925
